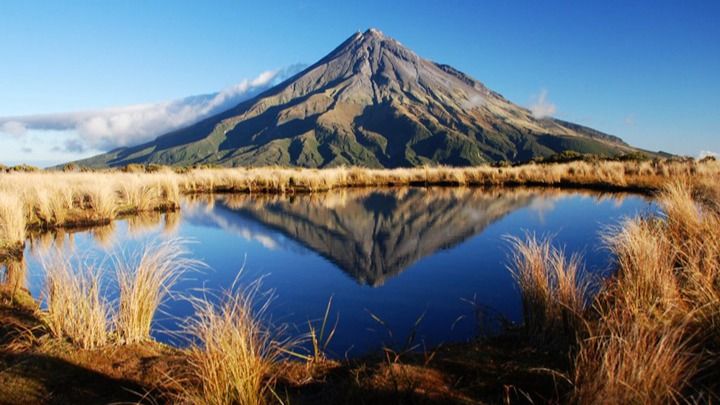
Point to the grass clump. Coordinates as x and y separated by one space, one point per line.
654 333
232 359
552 287
627 363
76 308
12 221
77 304
144 281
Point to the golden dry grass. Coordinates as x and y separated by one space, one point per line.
633 365
234 355
76 307
654 330
652 334
553 288
13 276
634 175
144 280
56 199
12 221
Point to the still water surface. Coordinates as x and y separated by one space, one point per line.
399 254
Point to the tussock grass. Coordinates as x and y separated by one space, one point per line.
634 175
99 202
144 281
233 358
76 307
652 334
56 199
553 288
625 362
12 221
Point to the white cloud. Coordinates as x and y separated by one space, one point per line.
706 153
131 125
14 128
541 107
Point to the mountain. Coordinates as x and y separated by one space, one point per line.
370 234
370 102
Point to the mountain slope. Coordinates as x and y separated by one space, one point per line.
370 102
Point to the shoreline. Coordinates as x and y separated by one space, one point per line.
31 363
50 200
83 223
576 345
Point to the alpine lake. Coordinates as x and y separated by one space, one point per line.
404 268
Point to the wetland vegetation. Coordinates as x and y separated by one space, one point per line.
646 332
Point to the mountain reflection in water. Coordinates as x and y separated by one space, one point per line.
370 234
396 253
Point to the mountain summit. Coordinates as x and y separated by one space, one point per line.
370 102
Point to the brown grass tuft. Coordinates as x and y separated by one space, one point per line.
654 331
552 286
633 365
76 308
233 358
144 281
12 221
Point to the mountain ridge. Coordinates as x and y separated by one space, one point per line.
369 102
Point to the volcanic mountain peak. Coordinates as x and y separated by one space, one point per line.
381 70
370 102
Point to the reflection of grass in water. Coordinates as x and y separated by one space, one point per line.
171 222
104 235
13 275
143 222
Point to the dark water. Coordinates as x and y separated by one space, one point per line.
398 254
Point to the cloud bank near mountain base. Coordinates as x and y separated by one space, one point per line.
111 128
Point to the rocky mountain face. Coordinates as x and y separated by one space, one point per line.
370 102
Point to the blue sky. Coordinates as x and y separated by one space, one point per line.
646 71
